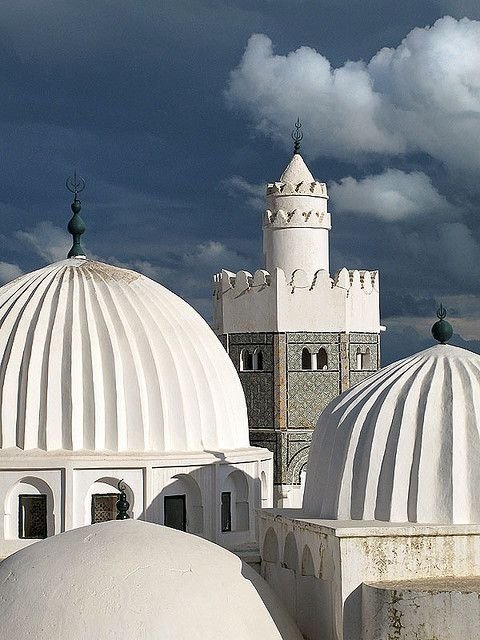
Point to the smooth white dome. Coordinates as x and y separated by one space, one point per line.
404 445
133 580
96 358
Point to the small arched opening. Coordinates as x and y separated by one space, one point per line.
306 359
308 568
246 360
322 360
101 500
234 503
363 359
257 363
290 553
270 546
29 510
182 504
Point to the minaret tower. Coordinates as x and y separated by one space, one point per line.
297 336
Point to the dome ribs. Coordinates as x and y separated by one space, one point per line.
101 359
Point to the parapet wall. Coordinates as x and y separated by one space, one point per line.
275 302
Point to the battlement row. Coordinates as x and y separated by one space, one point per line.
302 188
297 218
349 280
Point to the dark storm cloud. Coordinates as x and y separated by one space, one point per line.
132 95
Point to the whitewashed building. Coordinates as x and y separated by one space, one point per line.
105 376
387 543
297 335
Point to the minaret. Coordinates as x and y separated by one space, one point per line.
297 336
296 223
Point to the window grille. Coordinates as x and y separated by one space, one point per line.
32 516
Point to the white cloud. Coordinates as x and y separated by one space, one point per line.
48 241
392 195
422 96
254 193
9 272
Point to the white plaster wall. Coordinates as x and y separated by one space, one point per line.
147 480
315 303
296 248
421 610
347 554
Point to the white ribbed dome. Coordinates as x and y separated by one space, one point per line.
134 580
404 445
95 357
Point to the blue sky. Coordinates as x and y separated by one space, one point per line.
178 112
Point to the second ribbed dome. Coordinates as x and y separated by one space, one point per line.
404 445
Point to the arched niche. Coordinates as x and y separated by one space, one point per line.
183 484
107 485
363 359
290 553
264 489
29 486
308 567
236 484
270 546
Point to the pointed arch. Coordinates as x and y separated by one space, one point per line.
322 359
306 359
246 360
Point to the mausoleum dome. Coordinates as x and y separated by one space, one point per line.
132 580
404 445
99 358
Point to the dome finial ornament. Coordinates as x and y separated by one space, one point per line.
122 503
76 226
442 330
297 136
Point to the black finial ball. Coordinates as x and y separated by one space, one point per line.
76 206
442 330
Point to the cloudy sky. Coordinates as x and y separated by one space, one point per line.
177 112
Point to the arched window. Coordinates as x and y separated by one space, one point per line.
306 359
29 510
234 503
257 360
246 360
182 504
364 359
322 360
101 500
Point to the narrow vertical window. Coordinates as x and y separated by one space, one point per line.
306 358
32 516
175 512
104 507
258 360
226 511
246 360
322 360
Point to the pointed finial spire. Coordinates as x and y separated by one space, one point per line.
76 226
442 330
122 504
297 136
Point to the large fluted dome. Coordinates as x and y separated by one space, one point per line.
404 445
96 358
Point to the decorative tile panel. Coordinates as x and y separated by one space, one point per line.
258 389
358 376
311 337
250 338
309 392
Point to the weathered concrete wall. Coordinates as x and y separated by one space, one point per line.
436 609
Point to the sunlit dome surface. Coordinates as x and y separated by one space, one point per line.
97 358
133 580
404 445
